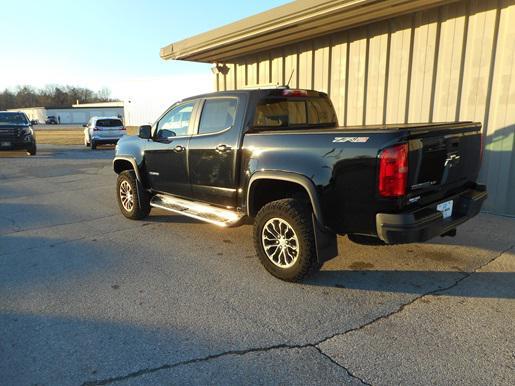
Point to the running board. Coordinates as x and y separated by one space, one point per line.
197 210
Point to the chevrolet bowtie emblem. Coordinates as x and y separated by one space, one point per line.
452 160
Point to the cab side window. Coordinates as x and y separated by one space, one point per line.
217 115
176 122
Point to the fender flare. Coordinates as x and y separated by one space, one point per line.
296 178
133 162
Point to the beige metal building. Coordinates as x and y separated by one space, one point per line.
384 61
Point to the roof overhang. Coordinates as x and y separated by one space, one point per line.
292 22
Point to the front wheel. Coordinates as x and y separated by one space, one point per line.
134 203
284 239
32 150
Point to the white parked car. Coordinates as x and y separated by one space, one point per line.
103 130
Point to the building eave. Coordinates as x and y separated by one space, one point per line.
292 22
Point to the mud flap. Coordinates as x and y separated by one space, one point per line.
325 241
140 188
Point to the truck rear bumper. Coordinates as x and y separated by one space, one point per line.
425 223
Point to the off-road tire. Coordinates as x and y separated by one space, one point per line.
141 199
32 150
298 216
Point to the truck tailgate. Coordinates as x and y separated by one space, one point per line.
443 158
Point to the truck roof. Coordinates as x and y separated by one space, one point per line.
272 91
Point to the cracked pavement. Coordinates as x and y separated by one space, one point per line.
90 298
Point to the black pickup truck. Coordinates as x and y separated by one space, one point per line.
277 157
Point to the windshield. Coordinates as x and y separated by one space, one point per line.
13 119
294 112
109 123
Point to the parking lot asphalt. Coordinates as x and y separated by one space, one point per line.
89 297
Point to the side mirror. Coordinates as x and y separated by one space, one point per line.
165 135
145 131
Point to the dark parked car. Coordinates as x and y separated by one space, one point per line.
278 157
51 120
16 132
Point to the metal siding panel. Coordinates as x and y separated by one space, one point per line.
252 71
377 59
338 74
277 75
399 68
291 66
241 75
356 81
230 78
477 60
264 68
306 65
422 66
216 83
322 64
499 162
449 62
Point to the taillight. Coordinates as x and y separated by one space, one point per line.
393 171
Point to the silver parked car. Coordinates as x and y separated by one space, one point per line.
103 130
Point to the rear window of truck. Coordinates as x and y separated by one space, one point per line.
275 112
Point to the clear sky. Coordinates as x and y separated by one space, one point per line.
107 43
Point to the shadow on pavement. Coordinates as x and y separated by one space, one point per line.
415 282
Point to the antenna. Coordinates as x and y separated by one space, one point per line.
291 76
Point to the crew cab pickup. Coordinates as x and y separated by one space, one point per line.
277 158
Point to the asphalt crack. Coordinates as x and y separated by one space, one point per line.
151 370
436 291
341 366
315 345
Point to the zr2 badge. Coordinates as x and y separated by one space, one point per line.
350 139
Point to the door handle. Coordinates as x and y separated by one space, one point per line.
179 148
223 148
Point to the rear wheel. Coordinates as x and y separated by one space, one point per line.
284 239
134 203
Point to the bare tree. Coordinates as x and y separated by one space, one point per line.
51 95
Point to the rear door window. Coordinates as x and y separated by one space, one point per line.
217 115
